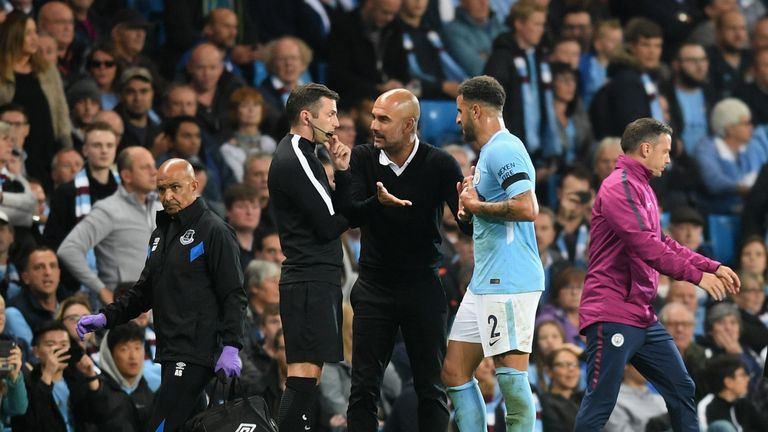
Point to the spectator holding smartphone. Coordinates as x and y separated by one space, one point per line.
13 392
63 389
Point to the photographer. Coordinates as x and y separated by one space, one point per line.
12 389
575 196
63 387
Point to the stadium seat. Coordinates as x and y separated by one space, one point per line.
664 220
723 232
438 123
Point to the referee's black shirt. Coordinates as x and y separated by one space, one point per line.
309 219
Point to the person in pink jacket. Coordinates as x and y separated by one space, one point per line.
627 252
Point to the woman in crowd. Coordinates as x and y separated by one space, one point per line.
572 121
247 113
561 403
548 336
564 301
69 313
13 391
102 66
724 330
30 81
754 256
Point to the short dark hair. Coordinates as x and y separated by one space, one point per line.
484 89
307 97
644 28
98 126
643 130
127 332
259 245
575 9
173 124
578 171
172 87
238 192
11 106
722 367
46 327
683 44
35 250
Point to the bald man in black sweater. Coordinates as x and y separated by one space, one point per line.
400 186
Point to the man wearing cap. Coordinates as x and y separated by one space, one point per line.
129 33
84 100
686 227
136 94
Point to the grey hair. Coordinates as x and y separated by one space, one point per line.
604 144
664 314
259 270
726 113
720 311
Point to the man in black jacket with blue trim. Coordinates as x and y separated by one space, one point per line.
193 282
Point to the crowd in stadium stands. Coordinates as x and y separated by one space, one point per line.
95 94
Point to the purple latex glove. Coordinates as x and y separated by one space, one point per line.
90 323
229 362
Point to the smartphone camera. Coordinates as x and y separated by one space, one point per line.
75 353
5 351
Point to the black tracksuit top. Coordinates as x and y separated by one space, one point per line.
193 283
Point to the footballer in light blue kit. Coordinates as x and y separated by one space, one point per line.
497 314
506 255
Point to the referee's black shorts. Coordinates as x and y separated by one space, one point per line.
312 317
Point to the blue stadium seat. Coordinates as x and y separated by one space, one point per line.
723 233
664 220
438 123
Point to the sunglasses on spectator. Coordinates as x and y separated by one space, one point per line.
97 64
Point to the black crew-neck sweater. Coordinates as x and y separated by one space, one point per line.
398 242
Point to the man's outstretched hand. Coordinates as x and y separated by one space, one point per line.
387 199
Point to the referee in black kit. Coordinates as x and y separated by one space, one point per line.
309 225
399 187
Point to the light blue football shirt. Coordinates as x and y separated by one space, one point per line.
506 255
